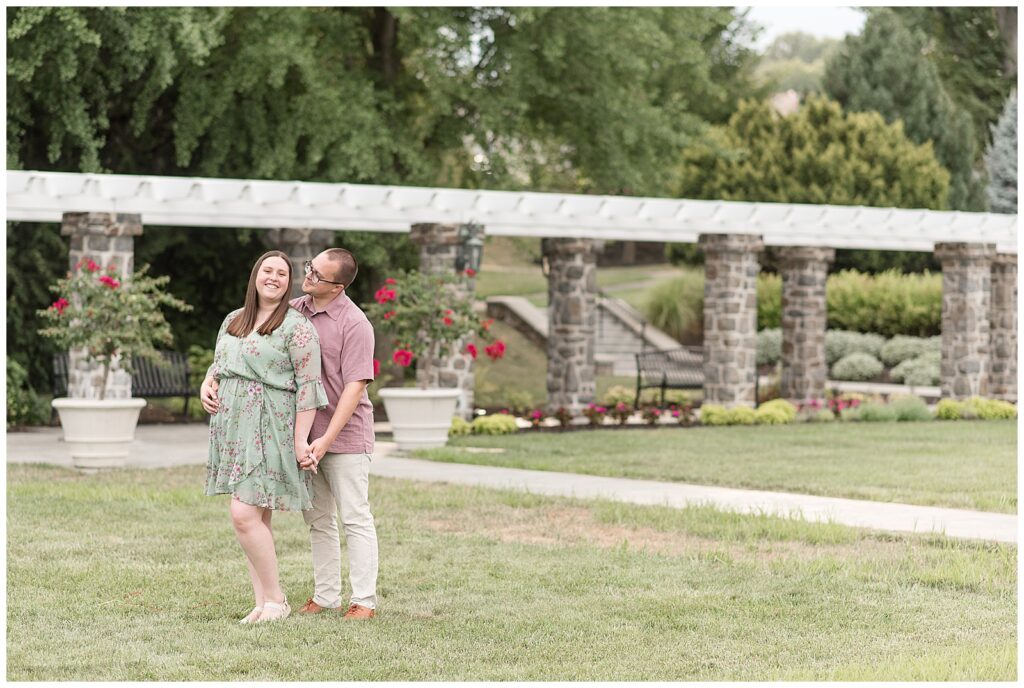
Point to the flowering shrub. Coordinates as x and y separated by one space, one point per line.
537 417
621 412
595 414
839 404
684 415
651 414
107 317
563 416
427 317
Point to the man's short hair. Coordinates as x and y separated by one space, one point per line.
345 266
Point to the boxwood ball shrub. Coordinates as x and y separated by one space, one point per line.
902 348
713 414
923 370
874 411
857 366
769 346
949 409
741 415
771 416
841 343
911 409
991 409
495 424
459 427
787 409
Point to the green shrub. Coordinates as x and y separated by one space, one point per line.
459 427
821 416
769 301
713 414
24 407
787 409
519 401
771 416
902 348
949 409
991 409
741 415
923 370
199 361
495 424
841 343
769 346
617 394
889 303
850 414
873 411
911 409
856 366
677 307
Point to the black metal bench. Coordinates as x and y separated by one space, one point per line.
681 368
148 380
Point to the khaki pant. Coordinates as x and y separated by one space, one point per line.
341 486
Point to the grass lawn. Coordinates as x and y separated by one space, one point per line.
966 465
134 575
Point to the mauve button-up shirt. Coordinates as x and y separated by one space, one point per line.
346 349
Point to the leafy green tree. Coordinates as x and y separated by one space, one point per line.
818 155
975 52
1001 160
885 69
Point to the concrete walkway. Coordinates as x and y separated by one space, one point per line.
173 445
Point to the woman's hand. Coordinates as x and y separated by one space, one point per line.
304 457
208 395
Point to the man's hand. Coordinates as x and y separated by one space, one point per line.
319 447
304 457
208 395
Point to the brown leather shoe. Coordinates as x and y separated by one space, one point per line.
358 611
312 607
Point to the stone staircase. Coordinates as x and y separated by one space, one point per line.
622 332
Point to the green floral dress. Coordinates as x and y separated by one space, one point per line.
263 381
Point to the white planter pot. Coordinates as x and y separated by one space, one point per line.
99 433
420 418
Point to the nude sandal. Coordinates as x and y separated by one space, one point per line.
252 616
274 611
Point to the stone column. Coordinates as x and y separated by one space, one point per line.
439 251
966 283
572 321
1003 321
108 239
730 317
300 245
804 316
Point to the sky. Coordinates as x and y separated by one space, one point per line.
830 22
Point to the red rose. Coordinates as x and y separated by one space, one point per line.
470 272
376 367
403 357
390 281
471 350
389 315
447 321
487 324
59 305
495 350
92 266
110 281
384 295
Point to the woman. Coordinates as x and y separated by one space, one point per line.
267 367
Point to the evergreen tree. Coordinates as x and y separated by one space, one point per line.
885 70
1001 160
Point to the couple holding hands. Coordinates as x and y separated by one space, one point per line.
291 428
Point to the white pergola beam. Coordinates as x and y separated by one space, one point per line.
204 202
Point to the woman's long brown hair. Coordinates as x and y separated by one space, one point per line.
242 325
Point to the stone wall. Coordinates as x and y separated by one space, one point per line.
1003 322
730 317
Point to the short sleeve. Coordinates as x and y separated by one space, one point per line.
357 353
219 353
304 352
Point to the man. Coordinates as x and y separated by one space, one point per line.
343 444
